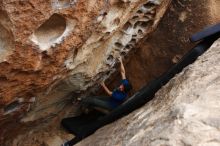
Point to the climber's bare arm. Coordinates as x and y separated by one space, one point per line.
106 89
122 69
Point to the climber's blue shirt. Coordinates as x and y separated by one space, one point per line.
118 96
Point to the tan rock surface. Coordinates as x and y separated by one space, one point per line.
186 111
75 42
55 47
48 57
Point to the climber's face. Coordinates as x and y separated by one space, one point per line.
121 87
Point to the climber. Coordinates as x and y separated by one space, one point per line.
114 98
110 102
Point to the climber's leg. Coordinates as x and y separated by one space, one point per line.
98 101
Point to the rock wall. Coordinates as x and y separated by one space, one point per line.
55 47
73 41
183 112
169 42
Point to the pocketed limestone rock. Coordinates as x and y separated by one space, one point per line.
51 49
57 50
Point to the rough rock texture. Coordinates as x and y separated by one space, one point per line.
45 63
54 47
184 112
75 40
159 51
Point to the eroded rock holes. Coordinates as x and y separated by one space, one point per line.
110 60
119 45
136 27
50 32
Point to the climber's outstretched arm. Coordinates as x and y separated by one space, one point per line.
122 69
106 89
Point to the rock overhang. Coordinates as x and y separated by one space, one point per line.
69 45
49 62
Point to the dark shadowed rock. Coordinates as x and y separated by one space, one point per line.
186 111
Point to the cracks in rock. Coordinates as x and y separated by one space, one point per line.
18 104
162 140
13 106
